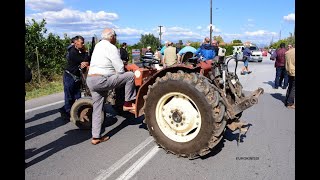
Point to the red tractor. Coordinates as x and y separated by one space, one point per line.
187 107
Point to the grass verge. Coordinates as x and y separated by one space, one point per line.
45 87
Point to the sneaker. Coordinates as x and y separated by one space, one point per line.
243 73
284 87
275 87
249 72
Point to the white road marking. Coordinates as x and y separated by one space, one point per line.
107 173
132 170
40 107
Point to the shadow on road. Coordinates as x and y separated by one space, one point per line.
130 120
71 137
39 129
228 135
42 115
234 135
271 83
279 96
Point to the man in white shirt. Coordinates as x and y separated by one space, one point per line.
106 72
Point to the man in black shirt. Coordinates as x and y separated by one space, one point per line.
123 53
77 58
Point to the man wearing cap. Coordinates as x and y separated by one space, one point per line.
149 52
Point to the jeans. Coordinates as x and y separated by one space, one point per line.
72 92
281 73
291 91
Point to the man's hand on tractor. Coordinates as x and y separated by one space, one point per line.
84 64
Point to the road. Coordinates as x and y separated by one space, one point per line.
56 149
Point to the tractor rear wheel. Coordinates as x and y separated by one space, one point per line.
81 113
184 114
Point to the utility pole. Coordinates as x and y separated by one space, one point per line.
210 21
280 36
160 35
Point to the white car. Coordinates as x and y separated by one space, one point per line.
256 54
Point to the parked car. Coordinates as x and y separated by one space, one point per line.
256 54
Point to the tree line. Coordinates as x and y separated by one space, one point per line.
47 54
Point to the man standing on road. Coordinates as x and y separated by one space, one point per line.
290 68
246 56
280 60
106 72
77 57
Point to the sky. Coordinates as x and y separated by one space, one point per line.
257 21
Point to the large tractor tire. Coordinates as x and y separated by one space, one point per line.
81 113
185 114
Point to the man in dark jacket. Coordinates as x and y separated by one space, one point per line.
205 51
77 58
124 53
279 57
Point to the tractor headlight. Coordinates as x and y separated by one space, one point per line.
137 73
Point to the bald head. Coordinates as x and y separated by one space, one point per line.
109 34
207 40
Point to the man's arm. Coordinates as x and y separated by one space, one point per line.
117 63
197 52
273 55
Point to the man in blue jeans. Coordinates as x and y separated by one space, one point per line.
246 56
279 57
78 57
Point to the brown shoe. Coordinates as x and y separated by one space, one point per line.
291 107
96 141
129 106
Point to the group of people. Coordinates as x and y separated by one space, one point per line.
170 55
285 72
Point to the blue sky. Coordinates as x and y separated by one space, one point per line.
248 20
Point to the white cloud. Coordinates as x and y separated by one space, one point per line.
214 29
257 37
73 16
250 20
68 20
45 5
259 33
199 27
289 17
129 31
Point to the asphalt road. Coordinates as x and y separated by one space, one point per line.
56 149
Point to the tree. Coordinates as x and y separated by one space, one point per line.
218 38
149 40
50 51
236 41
